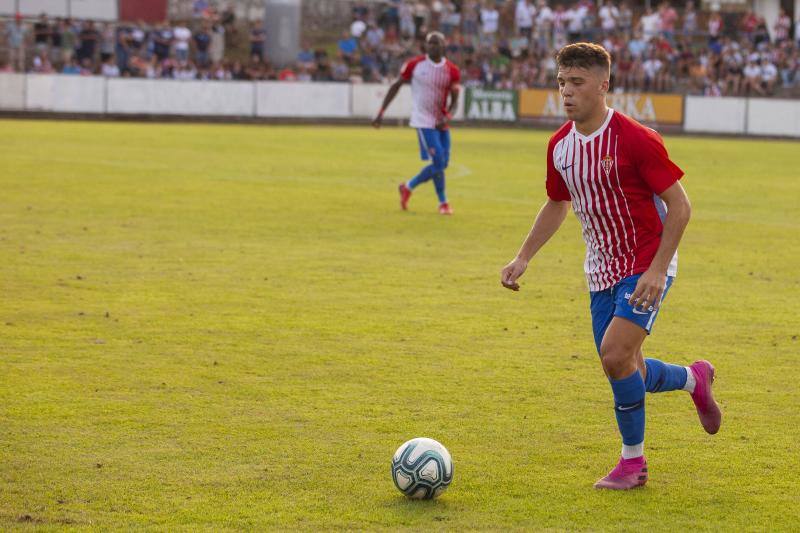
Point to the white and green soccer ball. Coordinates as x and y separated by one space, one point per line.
422 469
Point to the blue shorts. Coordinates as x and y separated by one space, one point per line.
435 144
612 302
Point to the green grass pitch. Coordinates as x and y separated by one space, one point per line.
234 327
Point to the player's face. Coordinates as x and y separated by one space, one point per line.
434 46
582 91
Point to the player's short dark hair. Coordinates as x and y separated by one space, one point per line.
584 55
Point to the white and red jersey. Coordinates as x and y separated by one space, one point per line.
613 178
430 84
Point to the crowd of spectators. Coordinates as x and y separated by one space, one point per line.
503 44
509 44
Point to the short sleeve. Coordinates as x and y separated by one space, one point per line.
653 163
455 75
407 70
556 188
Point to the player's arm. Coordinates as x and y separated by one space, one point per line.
454 92
549 219
650 286
390 94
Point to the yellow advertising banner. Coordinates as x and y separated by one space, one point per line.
644 107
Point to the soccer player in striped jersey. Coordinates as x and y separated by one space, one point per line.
433 78
621 184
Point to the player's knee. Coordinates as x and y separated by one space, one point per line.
617 359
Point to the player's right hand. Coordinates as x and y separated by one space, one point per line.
511 273
377 122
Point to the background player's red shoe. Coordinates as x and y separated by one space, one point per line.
405 194
444 209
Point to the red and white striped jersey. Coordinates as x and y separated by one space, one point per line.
613 178
430 84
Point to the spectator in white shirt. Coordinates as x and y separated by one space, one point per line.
608 17
182 36
490 20
649 24
524 15
769 76
752 78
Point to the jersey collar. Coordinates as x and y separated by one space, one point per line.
439 64
598 131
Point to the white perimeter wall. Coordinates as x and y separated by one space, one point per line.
94 94
175 97
714 115
751 116
64 94
12 91
284 99
773 117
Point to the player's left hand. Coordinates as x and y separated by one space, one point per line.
442 124
649 290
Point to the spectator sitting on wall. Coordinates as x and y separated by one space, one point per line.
303 73
184 70
287 74
752 78
340 71
769 76
306 55
41 63
86 67
72 67
109 68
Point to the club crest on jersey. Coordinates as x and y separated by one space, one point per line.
607 163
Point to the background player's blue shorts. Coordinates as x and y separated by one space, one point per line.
434 144
612 302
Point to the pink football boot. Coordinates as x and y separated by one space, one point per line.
628 474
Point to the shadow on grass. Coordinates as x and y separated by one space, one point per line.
408 512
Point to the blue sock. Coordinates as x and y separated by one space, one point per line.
663 377
427 173
629 407
438 182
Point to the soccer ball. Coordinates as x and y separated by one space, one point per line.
422 469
